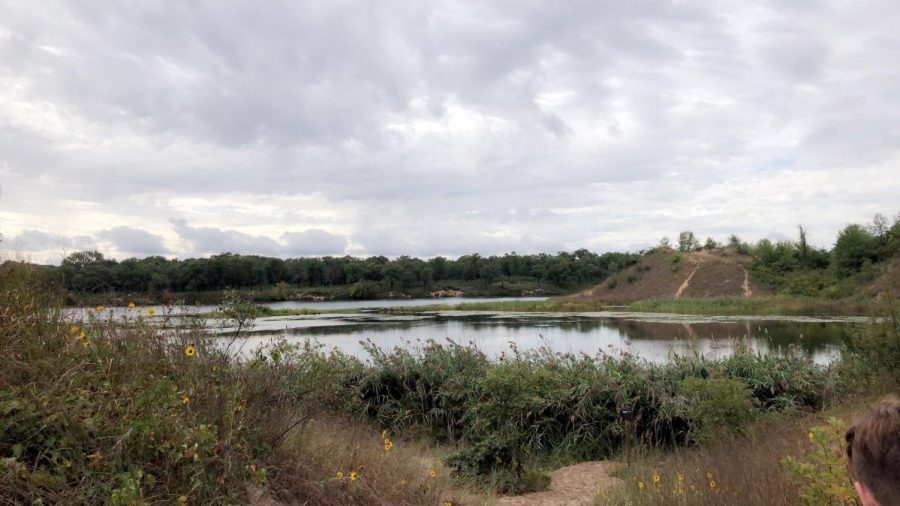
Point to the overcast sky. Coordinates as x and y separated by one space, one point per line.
425 128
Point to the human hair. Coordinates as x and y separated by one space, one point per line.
873 451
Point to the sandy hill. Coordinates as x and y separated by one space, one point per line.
668 273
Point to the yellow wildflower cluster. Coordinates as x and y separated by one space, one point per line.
353 476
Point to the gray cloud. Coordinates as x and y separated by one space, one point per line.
415 127
134 241
212 240
313 242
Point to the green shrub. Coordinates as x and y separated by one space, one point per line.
821 475
715 406
877 348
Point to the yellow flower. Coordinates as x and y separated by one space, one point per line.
384 434
655 478
388 444
811 436
448 503
708 476
85 344
131 305
74 329
353 476
432 473
151 312
712 484
641 485
190 350
340 475
185 400
680 477
99 309
182 499
81 336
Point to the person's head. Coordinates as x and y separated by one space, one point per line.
873 454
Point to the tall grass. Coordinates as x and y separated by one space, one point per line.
122 411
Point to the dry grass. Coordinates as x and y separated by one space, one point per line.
402 475
745 471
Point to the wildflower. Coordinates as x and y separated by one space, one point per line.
448 503
85 344
656 478
190 350
641 485
131 305
708 475
185 400
353 476
340 475
151 312
712 484
384 434
388 444
99 309
81 336
811 436
182 499
74 329
432 473
680 477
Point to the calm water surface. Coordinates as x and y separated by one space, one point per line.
652 336
655 337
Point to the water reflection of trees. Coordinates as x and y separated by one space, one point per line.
778 333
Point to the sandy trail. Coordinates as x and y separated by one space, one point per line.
687 281
746 286
576 485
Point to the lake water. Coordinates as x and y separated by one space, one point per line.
654 337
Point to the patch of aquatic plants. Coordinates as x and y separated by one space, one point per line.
507 413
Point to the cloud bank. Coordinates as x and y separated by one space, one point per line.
428 128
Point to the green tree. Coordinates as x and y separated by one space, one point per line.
687 241
855 246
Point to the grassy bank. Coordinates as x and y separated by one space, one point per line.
550 305
724 306
123 412
774 305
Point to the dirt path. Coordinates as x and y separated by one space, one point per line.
576 485
687 281
746 286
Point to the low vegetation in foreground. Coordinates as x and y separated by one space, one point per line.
125 412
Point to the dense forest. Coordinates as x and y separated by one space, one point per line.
91 272
790 266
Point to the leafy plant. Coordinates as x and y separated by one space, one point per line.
821 475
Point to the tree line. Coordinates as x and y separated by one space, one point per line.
91 272
798 268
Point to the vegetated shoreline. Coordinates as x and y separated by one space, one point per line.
321 294
777 305
146 414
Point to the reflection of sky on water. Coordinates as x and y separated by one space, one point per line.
653 340
654 337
